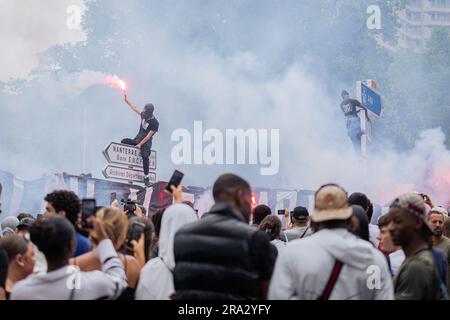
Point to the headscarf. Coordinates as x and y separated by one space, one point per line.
175 217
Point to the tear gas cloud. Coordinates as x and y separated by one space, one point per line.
201 69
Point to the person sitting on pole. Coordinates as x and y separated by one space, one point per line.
350 109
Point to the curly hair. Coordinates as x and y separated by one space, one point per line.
67 201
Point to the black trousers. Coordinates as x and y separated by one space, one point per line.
146 149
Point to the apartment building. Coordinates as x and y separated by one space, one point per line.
418 19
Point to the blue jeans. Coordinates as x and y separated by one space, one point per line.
354 132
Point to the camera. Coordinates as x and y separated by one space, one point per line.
129 206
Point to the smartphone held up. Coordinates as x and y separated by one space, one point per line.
175 180
137 229
88 208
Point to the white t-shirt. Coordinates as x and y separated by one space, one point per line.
41 262
280 245
373 233
396 258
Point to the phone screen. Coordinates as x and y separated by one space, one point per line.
281 212
175 180
88 207
136 231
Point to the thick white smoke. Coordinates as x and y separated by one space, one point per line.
190 81
70 85
29 29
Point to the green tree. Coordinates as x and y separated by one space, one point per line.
416 91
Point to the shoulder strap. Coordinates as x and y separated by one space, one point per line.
306 230
125 262
170 270
331 281
286 239
388 259
72 291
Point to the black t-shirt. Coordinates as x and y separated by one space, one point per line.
146 126
349 107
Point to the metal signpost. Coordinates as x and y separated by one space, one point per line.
367 94
125 163
122 154
127 174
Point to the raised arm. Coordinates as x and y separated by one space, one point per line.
132 106
113 280
360 105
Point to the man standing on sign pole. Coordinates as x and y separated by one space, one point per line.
349 107
143 141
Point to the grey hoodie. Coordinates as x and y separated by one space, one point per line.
302 270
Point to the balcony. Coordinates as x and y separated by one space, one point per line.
428 19
403 17
439 23
429 6
414 8
441 10
412 35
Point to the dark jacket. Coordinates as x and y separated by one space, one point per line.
213 258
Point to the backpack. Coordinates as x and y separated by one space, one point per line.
441 266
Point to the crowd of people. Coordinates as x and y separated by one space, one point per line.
232 252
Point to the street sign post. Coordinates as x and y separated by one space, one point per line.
127 174
367 94
125 163
122 154
371 100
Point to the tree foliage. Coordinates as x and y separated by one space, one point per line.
414 85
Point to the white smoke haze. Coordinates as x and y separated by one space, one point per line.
31 27
70 85
193 80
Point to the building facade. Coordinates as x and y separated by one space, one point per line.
417 20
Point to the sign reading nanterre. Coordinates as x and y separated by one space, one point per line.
118 153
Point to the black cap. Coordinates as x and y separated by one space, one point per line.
344 93
300 215
360 199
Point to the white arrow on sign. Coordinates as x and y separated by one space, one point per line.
114 172
118 153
